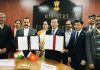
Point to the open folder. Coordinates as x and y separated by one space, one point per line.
53 42
32 43
22 43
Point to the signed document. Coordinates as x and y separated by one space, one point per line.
22 43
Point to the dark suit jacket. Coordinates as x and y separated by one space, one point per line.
86 28
6 38
91 46
77 51
52 54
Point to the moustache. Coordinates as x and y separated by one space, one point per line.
25 25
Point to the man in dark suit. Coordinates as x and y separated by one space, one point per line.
91 25
76 47
93 47
52 54
5 37
26 31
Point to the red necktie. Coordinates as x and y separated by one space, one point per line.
54 41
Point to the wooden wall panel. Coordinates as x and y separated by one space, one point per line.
18 9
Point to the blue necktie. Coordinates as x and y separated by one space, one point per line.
76 39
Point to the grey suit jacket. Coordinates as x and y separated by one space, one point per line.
31 32
91 46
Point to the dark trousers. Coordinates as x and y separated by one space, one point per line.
65 58
75 63
97 64
4 56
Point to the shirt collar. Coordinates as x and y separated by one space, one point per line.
55 29
2 26
69 30
26 28
79 32
92 26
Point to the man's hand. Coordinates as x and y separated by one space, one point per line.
91 66
64 50
2 51
69 59
83 62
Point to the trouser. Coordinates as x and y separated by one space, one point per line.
97 65
65 58
4 56
75 63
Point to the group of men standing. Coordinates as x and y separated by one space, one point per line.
81 44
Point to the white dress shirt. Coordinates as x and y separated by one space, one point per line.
67 36
1 26
55 30
26 30
78 32
92 27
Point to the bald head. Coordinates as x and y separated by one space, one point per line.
2 18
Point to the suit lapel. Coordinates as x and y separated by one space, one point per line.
29 32
81 34
22 32
57 32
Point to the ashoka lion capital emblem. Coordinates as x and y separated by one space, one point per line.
56 5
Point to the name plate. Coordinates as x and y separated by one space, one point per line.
47 67
7 62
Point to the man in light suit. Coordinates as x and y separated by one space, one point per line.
93 47
76 47
26 30
52 54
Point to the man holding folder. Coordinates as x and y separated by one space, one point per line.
52 54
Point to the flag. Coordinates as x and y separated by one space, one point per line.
32 56
19 54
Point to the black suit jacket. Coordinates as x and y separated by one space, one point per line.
52 54
6 38
77 50
58 32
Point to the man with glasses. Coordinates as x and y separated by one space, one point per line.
93 47
91 25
